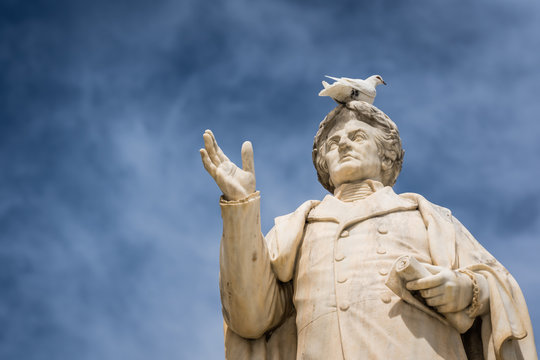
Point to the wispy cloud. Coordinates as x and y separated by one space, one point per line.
110 226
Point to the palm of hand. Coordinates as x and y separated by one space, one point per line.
234 182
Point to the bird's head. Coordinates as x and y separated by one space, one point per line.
376 80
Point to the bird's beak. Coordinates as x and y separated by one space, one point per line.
383 82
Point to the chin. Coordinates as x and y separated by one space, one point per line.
348 176
349 169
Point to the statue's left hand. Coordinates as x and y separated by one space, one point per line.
446 290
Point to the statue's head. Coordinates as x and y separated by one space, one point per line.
355 142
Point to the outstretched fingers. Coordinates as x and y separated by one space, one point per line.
217 149
247 157
208 164
210 148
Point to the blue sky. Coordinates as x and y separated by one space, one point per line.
109 224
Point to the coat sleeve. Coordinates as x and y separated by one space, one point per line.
253 299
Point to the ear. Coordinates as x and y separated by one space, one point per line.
386 164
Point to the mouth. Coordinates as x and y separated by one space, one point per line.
345 158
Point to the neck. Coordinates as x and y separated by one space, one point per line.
356 190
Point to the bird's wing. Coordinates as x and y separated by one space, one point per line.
351 80
345 80
361 86
325 84
335 91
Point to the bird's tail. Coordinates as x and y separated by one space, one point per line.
324 91
333 78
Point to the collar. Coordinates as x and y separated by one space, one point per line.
381 202
357 191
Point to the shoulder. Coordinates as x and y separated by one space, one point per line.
425 204
301 212
290 224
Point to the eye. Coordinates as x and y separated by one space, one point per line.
332 144
358 137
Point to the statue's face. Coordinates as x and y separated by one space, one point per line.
351 153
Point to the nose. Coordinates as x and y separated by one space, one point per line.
344 144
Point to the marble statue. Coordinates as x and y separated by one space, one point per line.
365 273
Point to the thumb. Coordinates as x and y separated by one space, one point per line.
433 268
247 157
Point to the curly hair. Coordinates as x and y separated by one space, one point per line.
387 140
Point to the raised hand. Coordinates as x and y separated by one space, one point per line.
448 291
235 183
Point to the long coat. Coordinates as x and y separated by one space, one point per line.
314 287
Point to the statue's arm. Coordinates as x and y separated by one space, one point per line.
253 300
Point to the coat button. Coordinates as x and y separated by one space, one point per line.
381 250
386 298
341 279
383 272
339 257
382 229
344 233
344 307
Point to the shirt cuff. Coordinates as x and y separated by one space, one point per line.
483 297
247 199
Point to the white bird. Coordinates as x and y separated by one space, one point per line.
344 90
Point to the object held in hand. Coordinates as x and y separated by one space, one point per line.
407 268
